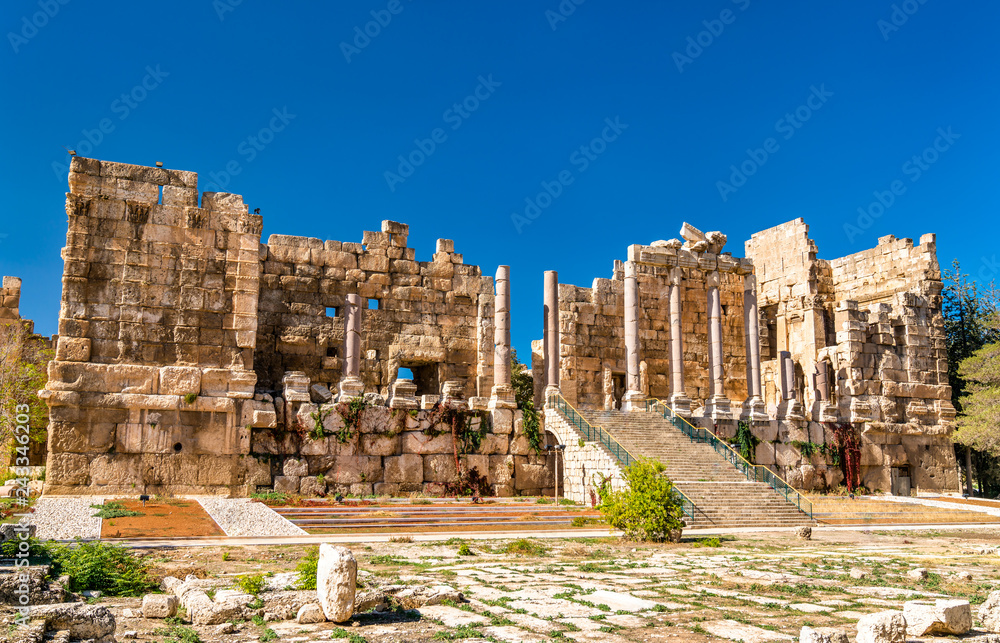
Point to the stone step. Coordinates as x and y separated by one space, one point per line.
722 495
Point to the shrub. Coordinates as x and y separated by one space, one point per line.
524 547
252 584
465 550
308 568
647 508
114 509
112 569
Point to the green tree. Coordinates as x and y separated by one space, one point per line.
647 508
24 357
968 310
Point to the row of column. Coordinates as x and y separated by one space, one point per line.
718 404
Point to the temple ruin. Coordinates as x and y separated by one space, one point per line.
193 358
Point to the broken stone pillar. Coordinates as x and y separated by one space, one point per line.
634 399
453 394
404 395
503 393
718 405
351 384
823 381
789 408
753 408
680 403
550 338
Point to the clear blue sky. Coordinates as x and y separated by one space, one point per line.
875 93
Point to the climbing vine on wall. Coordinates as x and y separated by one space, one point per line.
746 442
464 439
350 412
846 439
524 390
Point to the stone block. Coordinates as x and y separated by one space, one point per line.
286 484
180 380
159 605
937 617
439 468
73 349
336 582
294 467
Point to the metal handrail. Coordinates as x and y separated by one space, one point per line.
599 435
755 472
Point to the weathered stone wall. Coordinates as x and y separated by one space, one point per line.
584 464
592 337
192 358
10 298
156 335
434 317
875 318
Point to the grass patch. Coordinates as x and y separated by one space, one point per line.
114 509
524 547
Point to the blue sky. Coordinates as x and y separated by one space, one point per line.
634 115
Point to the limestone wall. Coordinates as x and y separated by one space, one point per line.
10 298
434 317
592 337
875 317
584 464
191 357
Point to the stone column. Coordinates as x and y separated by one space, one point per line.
351 384
680 403
789 408
634 398
717 406
550 337
503 393
753 407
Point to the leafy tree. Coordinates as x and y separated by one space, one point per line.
970 312
24 357
979 424
648 508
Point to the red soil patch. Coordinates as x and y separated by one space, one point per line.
162 519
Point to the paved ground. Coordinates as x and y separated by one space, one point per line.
751 587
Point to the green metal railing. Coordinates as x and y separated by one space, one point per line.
597 434
753 472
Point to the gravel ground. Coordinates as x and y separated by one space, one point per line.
66 518
244 517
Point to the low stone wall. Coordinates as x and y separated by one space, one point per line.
584 463
397 451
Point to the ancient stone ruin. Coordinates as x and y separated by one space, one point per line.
192 358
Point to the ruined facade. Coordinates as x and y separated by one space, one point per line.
192 358
792 344
865 338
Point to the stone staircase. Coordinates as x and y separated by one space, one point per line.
722 495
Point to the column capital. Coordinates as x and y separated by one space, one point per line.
713 279
676 276
750 282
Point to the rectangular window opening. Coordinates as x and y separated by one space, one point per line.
373 304
159 199
331 311
331 351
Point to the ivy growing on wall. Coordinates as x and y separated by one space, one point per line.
746 442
